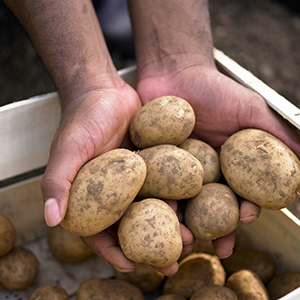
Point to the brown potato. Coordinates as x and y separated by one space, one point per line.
49 292
260 168
213 213
18 269
172 173
259 262
195 271
283 284
170 297
67 247
112 289
144 277
247 285
164 120
102 190
7 235
214 292
149 232
208 157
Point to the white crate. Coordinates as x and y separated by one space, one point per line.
27 128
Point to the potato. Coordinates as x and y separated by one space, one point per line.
67 247
247 285
102 190
208 157
49 292
149 233
214 292
283 284
112 289
144 277
260 168
164 120
195 271
170 297
7 235
259 262
18 269
213 213
172 173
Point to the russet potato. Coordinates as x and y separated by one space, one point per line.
102 190
149 232
260 168
49 292
214 292
164 120
7 235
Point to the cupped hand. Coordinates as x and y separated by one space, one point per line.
222 107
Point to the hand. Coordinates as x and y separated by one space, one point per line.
222 107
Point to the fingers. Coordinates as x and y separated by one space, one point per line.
223 246
105 246
187 239
249 212
168 271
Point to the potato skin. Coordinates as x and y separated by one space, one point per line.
213 213
260 168
195 271
208 157
247 285
49 292
283 284
214 292
164 120
102 190
170 297
67 247
259 262
172 173
112 289
8 235
149 232
18 269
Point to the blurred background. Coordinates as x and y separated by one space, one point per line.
262 36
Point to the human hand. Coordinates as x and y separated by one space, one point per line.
222 107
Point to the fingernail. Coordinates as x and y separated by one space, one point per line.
124 270
249 219
226 255
51 210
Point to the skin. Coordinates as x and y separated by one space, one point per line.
174 55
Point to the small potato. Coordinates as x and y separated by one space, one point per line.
18 269
260 168
195 271
208 157
67 247
149 233
247 285
164 120
214 292
213 213
102 190
112 289
7 235
170 297
172 173
283 284
144 277
49 292
259 262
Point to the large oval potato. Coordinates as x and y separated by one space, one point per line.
102 190
149 232
213 213
172 173
260 168
208 157
164 120
49 292
214 292
195 271
67 247
8 235
18 269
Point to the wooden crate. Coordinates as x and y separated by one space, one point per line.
27 128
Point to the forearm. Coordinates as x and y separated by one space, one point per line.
69 40
166 31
